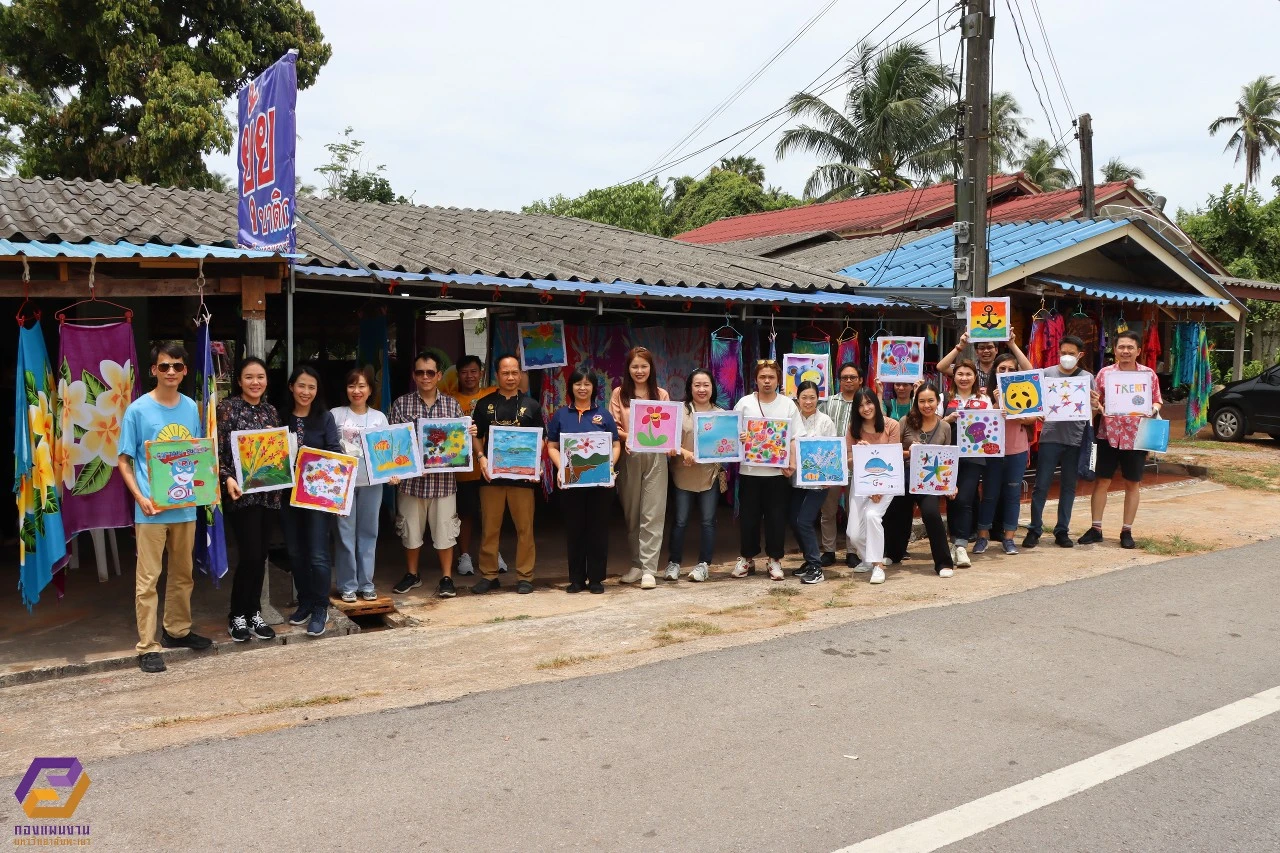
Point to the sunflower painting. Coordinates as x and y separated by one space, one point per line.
542 345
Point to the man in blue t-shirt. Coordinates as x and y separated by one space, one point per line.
163 413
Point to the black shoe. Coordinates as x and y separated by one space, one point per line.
1090 536
1031 540
151 662
851 559
524 588
238 628
573 587
483 585
800 570
446 589
316 625
1126 539
813 575
301 616
828 558
406 583
191 641
260 628
595 588
1063 540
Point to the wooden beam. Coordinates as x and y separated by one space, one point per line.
107 287
253 298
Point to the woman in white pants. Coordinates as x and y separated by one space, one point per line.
865 531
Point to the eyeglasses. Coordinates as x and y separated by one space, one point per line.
427 373
170 367
849 377
985 347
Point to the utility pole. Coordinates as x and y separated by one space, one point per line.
970 261
1085 131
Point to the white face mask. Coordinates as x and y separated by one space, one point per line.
1068 362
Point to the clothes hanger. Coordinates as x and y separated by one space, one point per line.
203 316
1080 310
848 327
1041 313
728 326
880 329
26 298
818 333
93 298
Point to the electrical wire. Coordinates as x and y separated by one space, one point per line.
1035 88
1031 46
1053 60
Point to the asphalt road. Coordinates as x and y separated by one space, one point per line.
753 748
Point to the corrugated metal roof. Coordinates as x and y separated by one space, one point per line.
1060 204
123 250
1126 292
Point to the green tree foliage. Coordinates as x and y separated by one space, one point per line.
1256 125
138 89
1008 131
1042 164
721 194
746 166
636 207
348 175
1239 229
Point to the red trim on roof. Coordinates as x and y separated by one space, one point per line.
1060 204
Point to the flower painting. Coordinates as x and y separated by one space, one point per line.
768 442
393 451
183 472
900 359
988 319
655 426
324 481
261 459
934 468
542 345
444 444
980 433
717 436
1066 398
878 470
586 457
821 461
806 368
515 453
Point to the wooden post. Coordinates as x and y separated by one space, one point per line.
1085 127
1237 358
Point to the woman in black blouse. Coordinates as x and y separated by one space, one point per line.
248 516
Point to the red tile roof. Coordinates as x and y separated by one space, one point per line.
1061 204
873 214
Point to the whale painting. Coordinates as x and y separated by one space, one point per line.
878 469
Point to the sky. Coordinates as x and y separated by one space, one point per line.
492 105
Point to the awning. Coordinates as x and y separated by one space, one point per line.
1126 292
125 251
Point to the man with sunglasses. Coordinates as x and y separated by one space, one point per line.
164 412
429 500
985 353
838 407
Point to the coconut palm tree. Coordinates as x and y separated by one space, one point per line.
1116 169
1041 163
1256 123
896 114
1008 136
746 166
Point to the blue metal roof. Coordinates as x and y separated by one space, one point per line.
616 288
926 263
123 250
1126 292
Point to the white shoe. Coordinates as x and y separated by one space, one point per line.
648 581
632 576
775 571
961 557
672 573
945 573
887 562
742 568
502 564
699 573
862 568
464 565
877 574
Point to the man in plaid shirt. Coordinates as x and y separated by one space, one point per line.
432 498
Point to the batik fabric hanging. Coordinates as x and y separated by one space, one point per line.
726 367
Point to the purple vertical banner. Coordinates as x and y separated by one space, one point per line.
210 555
266 141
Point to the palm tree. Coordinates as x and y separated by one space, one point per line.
1256 123
1041 164
1008 135
1116 169
746 166
897 113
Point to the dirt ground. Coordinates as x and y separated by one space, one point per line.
466 645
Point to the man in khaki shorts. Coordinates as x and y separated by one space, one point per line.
432 498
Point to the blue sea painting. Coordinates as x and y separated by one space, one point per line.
542 345
821 461
586 458
878 469
515 452
717 436
391 451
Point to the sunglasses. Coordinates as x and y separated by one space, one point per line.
763 361
170 367
427 373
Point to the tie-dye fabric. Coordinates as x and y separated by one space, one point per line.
210 555
848 351
680 351
726 367
1201 385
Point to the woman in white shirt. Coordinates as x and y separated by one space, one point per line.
764 492
358 530
806 501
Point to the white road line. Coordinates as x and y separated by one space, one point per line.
982 814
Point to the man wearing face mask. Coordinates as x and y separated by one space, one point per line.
1060 445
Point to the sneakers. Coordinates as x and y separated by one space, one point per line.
319 617
483 585
862 568
828 558
814 575
960 556
349 597
446 588
1063 540
699 573
851 559
632 576
369 594
191 641
465 566
648 581
406 583
595 588
1126 539
672 573
260 628
1010 548
502 564
238 628
945 572
524 588
775 570
877 575
151 662
573 587
742 568
1090 536
1031 540
301 616
980 547
800 570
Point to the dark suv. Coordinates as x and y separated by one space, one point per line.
1247 406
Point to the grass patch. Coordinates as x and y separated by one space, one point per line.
783 591
518 618
692 626
836 602
1213 445
561 661
1247 479
1171 546
269 708
790 615
735 610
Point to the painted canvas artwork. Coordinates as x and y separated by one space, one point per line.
981 433
1127 392
878 470
1022 392
183 472
586 459
261 459
515 452
655 426
392 451
768 443
1152 435
821 461
900 359
324 481
806 368
988 319
1066 398
542 345
445 444
934 469
717 436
